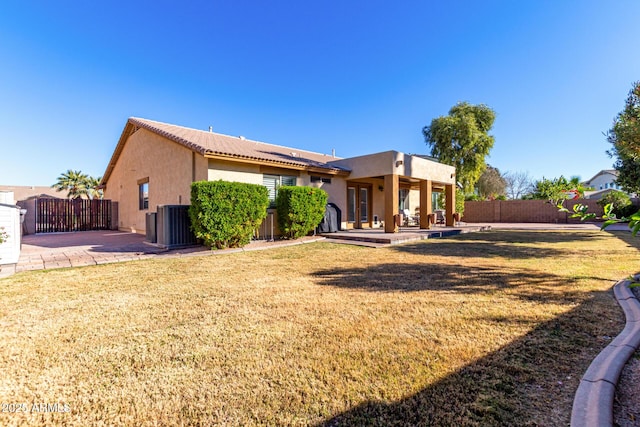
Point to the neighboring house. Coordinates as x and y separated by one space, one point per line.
602 183
26 196
155 163
25 192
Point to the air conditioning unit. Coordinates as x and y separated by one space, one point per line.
174 227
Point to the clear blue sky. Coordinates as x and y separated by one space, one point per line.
357 76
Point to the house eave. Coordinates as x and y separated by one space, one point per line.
267 162
128 130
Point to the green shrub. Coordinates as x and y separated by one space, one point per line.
627 211
620 203
459 201
300 210
226 214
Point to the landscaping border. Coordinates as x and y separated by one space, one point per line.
593 402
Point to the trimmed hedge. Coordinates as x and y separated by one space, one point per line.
226 214
300 210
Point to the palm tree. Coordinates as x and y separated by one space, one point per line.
93 188
74 182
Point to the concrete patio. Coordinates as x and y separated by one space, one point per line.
377 237
76 249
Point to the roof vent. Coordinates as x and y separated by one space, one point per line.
211 129
242 137
294 154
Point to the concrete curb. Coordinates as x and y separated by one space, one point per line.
593 402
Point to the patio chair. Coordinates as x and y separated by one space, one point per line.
439 217
409 219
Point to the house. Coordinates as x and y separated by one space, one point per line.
602 183
26 192
155 163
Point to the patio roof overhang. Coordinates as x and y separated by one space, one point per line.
410 169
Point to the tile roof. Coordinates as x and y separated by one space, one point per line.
211 143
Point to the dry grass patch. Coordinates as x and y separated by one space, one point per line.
490 328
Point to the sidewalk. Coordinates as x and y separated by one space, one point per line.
60 250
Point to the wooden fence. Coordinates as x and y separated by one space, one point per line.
62 215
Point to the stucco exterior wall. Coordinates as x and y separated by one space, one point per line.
234 172
253 174
169 167
336 190
396 163
414 201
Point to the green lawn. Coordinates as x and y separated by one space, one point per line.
492 328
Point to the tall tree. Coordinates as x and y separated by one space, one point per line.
462 139
93 188
73 182
558 189
491 183
625 138
519 184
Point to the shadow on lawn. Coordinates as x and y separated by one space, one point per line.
476 249
626 236
530 382
526 284
537 236
504 243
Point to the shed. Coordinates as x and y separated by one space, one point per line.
10 224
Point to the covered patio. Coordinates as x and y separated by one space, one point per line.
375 182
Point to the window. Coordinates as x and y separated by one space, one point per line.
434 201
273 182
143 194
320 179
364 205
351 204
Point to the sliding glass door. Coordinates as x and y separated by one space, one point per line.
359 205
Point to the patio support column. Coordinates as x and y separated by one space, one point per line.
425 203
450 196
391 199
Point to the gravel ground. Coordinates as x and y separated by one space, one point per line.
626 405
